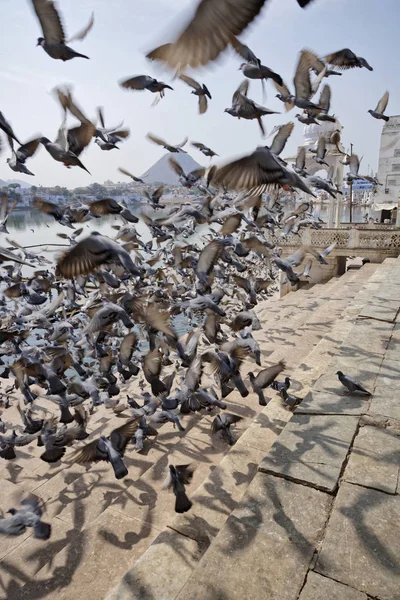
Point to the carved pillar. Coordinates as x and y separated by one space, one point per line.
339 184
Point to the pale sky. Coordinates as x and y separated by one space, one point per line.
125 29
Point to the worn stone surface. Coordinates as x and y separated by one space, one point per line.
91 562
322 588
389 378
162 571
387 311
363 367
219 495
312 449
266 543
386 404
361 547
375 459
332 404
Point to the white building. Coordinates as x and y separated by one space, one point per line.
388 194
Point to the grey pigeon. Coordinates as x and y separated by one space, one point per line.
28 515
54 40
351 384
110 449
178 477
346 59
264 379
198 90
380 108
223 424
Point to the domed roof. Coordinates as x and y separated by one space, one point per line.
312 132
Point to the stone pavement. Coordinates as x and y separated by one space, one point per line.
320 518
267 513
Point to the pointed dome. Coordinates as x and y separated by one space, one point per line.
162 172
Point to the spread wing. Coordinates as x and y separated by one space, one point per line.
137 83
156 139
212 28
302 81
176 167
281 138
267 376
82 258
209 256
382 104
27 150
83 33
190 82
343 59
249 172
325 98
50 21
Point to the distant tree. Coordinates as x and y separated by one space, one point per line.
13 186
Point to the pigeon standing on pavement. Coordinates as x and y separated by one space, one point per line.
351 384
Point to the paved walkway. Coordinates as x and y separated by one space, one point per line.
321 519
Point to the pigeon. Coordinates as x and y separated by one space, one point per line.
380 108
204 149
18 158
198 90
59 150
256 172
145 82
244 108
110 449
128 174
223 424
28 515
92 252
168 147
264 379
212 28
54 42
346 59
351 384
179 476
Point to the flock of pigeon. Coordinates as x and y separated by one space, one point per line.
76 334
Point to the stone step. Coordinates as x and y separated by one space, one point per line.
218 496
80 498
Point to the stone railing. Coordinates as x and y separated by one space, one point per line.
387 241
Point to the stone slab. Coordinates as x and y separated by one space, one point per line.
361 547
389 377
322 588
312 449
385 404
386 311
92 562
375 459
363 367
219 495
265 547
161 571
326 403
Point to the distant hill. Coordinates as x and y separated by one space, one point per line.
23 184
161 171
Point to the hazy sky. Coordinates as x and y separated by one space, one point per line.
125 29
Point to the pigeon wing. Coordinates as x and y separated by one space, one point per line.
83 32
302 81
382 104
50 21
267 376
281 138
212 28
